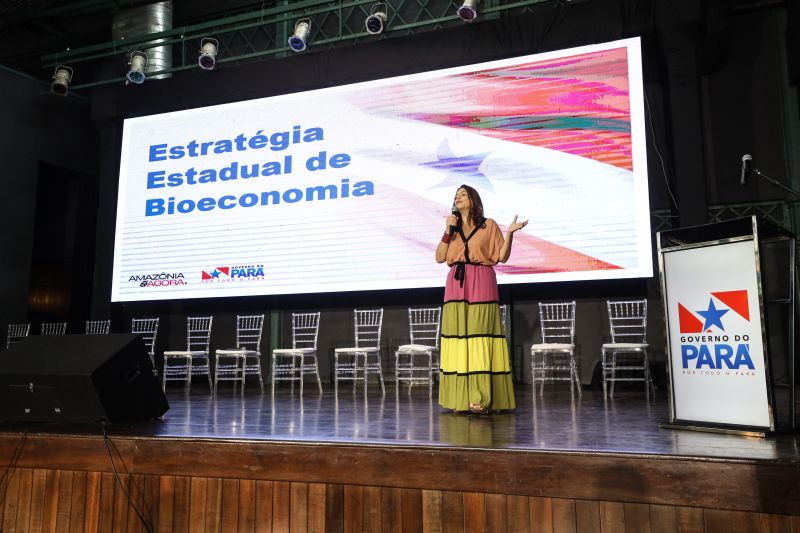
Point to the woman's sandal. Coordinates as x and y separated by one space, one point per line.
478 409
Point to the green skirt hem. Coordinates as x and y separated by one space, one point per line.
492 391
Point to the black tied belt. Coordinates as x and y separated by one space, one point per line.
461 266
461 271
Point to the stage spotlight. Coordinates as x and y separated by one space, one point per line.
302 29
468 10
376 21
137 63
61 78
208 53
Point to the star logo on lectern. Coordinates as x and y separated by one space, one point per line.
737 301
712 316
216 273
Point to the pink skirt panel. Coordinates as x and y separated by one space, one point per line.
480 285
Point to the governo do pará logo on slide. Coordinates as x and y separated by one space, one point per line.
224 274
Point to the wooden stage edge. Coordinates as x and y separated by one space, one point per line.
753 486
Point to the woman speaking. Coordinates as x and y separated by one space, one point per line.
475 370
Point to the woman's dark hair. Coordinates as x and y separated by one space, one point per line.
476 211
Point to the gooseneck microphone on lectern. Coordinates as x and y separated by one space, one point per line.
747 168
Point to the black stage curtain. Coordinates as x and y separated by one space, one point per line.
793 41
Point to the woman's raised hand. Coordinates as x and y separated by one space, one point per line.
514 226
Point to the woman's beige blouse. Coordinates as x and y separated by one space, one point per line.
484 246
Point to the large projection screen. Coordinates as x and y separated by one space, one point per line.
347 188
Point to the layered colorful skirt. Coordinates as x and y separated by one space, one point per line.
474 355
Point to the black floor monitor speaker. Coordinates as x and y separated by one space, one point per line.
79 379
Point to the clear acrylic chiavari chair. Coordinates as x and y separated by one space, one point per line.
181 365
147 329
53 328
348 365
416 362
554 358
626 355
235 364
98 327
292 364
16 332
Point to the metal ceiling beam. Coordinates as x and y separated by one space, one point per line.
243 21
113 47
327 12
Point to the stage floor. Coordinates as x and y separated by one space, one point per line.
373 462
626 424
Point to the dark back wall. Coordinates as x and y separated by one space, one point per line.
39 133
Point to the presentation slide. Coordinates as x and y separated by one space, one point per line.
348 188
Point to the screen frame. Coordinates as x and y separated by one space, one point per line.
638 155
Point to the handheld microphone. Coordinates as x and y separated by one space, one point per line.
747 168
454 211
